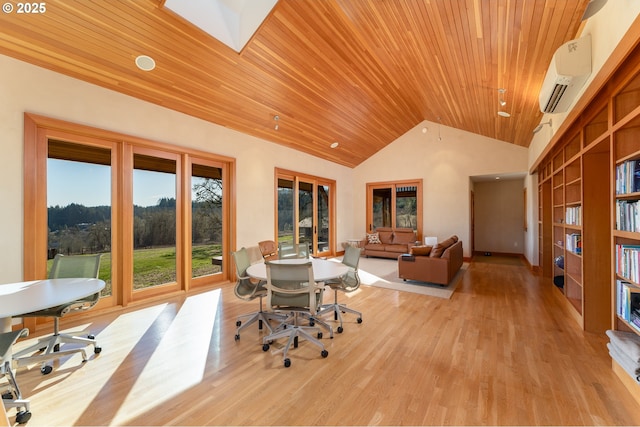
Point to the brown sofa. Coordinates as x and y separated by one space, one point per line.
437 264
393 242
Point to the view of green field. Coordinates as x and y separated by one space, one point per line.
158 265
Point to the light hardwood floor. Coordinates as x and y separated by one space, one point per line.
501 351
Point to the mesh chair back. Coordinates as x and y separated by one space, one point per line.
351 258
288 250
242 260
244 288
292 286
72 266
75 266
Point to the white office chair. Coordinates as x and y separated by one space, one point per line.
247 289
291 289
347 283
64 267
11 395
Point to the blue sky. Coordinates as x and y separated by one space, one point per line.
89 184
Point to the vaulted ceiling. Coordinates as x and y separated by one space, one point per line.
357 72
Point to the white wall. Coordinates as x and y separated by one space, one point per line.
445 167
499 216
24 87
607 28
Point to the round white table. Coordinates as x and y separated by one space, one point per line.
322 269
25 297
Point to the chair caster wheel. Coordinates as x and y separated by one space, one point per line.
237 337
56 347
324 353
8 395
287 362
46 369
319 335
23 416
238 323
265 347
340 329
312 322
91 337
359 320
97 350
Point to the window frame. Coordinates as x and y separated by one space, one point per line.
393 185
315 181
38 130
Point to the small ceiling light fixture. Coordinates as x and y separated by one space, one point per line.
502 103
539 127
276 118
335 144
424 130
145 63
501 97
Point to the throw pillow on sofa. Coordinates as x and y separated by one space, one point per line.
373 239
421 250
439 249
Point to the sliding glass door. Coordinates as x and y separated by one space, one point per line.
304 211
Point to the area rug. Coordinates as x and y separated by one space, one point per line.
383 273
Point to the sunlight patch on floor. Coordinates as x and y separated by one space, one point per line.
134 325
369 279
161 380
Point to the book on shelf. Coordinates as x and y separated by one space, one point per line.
634 309
628 177
573 215
635 320
624 291
627 215
628 262
574 243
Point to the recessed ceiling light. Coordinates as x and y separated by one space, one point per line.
145 63
503 114
334 145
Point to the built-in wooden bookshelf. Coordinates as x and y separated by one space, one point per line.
626 224
589 191
580 196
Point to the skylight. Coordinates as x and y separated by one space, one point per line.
233 22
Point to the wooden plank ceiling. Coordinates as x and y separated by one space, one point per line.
359 72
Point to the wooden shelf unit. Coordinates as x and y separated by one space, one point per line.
581 170
626 143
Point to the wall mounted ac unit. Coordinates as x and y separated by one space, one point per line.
567 73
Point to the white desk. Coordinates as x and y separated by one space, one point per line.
25 297
322 269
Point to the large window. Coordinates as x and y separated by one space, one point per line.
305 211
154 220
395 205
207 218
159 214
79 203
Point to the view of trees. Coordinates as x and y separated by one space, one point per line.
77 229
